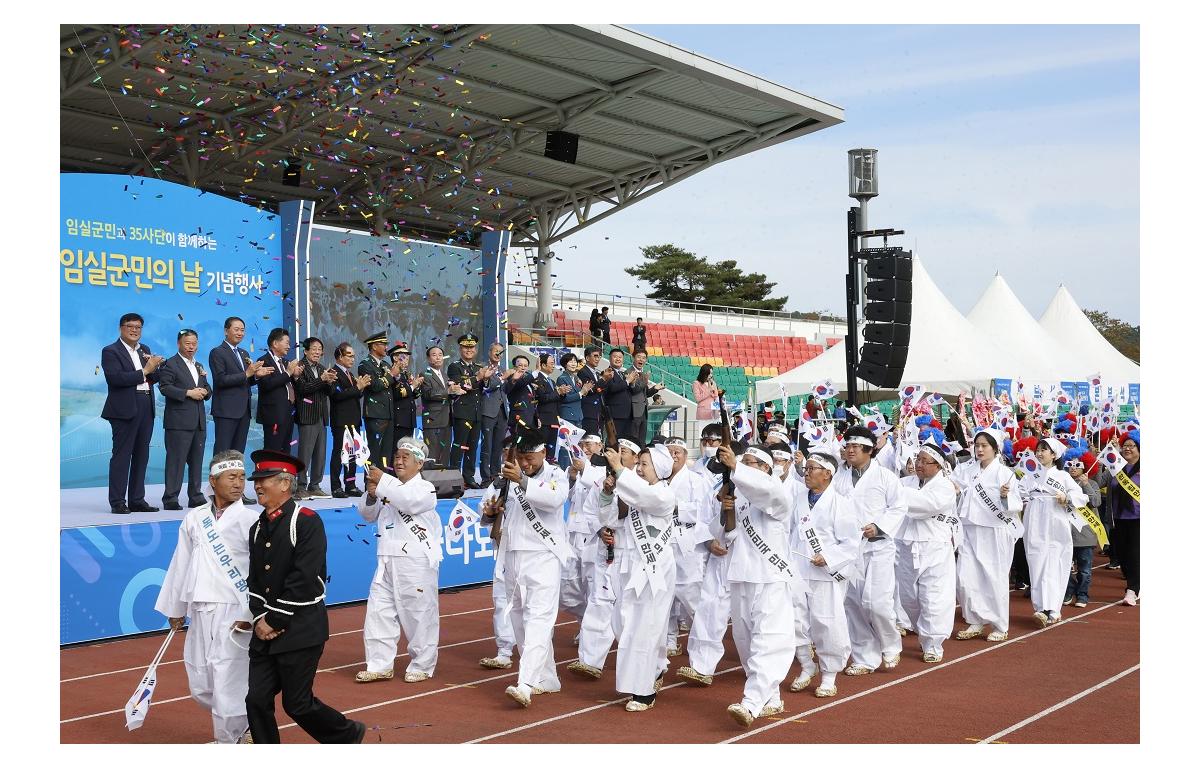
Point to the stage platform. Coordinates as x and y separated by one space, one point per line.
111 566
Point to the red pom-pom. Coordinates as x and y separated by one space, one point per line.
1090 463
1024 443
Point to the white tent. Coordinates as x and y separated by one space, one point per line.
946 353
1065 321
1001 317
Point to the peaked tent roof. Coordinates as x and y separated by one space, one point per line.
946 353
1065 321
1001 317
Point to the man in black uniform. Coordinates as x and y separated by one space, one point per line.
377 399
345 410
464 408
287 597
405 390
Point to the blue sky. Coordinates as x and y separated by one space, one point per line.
1002 148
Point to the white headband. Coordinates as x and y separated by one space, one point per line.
225 466
413 447
629 444
1056 446
675 441
591 439
759 454
822 462
932 450
860 440
531 448
781 455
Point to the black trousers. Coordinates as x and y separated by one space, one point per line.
380 441
336 476
550 433
639 429
1020 565
491 446
292 674
438 440
185 447
591 425
312 453
625 429
466 441
1127 543
131 453
401 430
231 434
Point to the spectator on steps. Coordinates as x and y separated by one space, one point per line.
639 336
605 325
704 392
594 325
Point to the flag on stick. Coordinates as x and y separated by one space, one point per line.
138 705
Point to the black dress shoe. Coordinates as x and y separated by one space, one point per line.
141 506
339 494
472 485
172 506
200 502
120 509
353 492
249 500
360 731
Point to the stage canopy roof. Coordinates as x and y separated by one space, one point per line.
434 131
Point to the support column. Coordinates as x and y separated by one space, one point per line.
296 217
544 317
494 250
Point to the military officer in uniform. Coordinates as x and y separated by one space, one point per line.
287 600
465 408
405 391
377 399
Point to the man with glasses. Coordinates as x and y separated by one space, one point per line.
345 411
184 384
129 370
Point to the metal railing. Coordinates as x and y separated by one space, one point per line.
675 311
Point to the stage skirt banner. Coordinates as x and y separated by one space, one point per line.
110 575
177 256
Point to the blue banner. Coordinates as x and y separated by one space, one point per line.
110 575
1135 394
179 257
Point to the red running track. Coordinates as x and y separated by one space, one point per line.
1074 682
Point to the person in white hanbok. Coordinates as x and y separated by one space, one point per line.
1051 498
824 541
583 528
760 576
871 595
988 508
404 590
535 549
596 628
693 498
206 583
925 550
645 571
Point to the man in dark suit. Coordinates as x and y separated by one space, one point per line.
129 370
605 325
435 400
548 394
641 389
312 416
518 387
617 397
277 392
287 568
464 408
232 376
493 413
591 402
345 410
184 384
377 399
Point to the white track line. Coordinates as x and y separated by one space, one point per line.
935 668
328 669
1060 705
180 661
584 711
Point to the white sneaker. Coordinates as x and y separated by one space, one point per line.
740 715
1130 598
517 695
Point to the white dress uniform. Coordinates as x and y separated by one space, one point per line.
871 595
197 585
925 558
760 575
828 528
1048 524
692 499
990 528
596 627
706 639
533 565
645 579
583 527
404 590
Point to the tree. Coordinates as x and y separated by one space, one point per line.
679 275
1126 338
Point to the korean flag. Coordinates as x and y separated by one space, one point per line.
912 392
